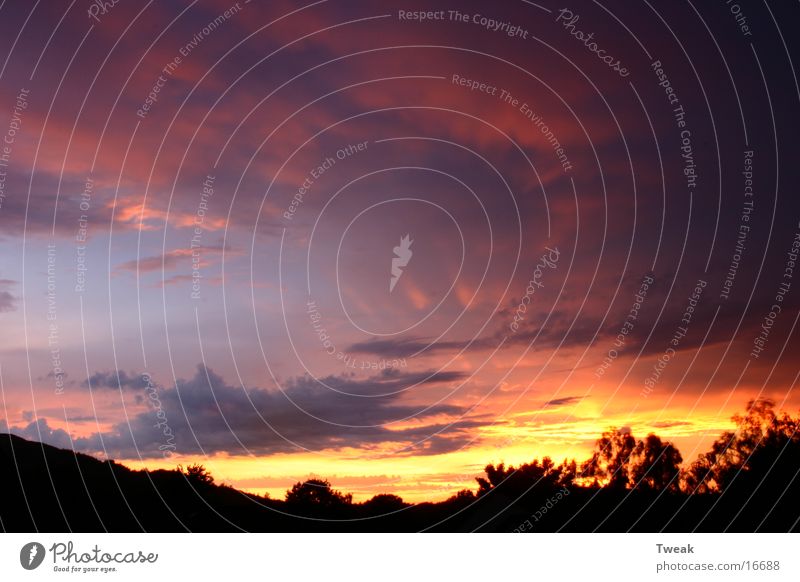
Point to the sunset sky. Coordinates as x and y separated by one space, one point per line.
200 204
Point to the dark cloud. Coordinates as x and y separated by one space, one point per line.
394 348
115 380
565 401
734 324
669 423
390 381
406 347
35 216
206 415
8 302
565 329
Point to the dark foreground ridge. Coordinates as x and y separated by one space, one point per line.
747 482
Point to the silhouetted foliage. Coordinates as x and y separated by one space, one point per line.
198 475
619 461
519 480
763 444
316 496
384 503
464 495
610 460
655 465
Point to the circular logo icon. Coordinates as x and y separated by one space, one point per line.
31 555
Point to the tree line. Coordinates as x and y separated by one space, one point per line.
761 452
746 481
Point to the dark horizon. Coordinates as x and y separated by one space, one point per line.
643 480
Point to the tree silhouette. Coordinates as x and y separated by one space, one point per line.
384 503
619 461
655 465
463 495
764 445
609 463
544 474
317 495
198 475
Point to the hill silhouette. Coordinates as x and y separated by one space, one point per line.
748 481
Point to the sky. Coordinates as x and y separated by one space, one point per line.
389 243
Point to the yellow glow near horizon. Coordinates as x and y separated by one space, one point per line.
418 478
